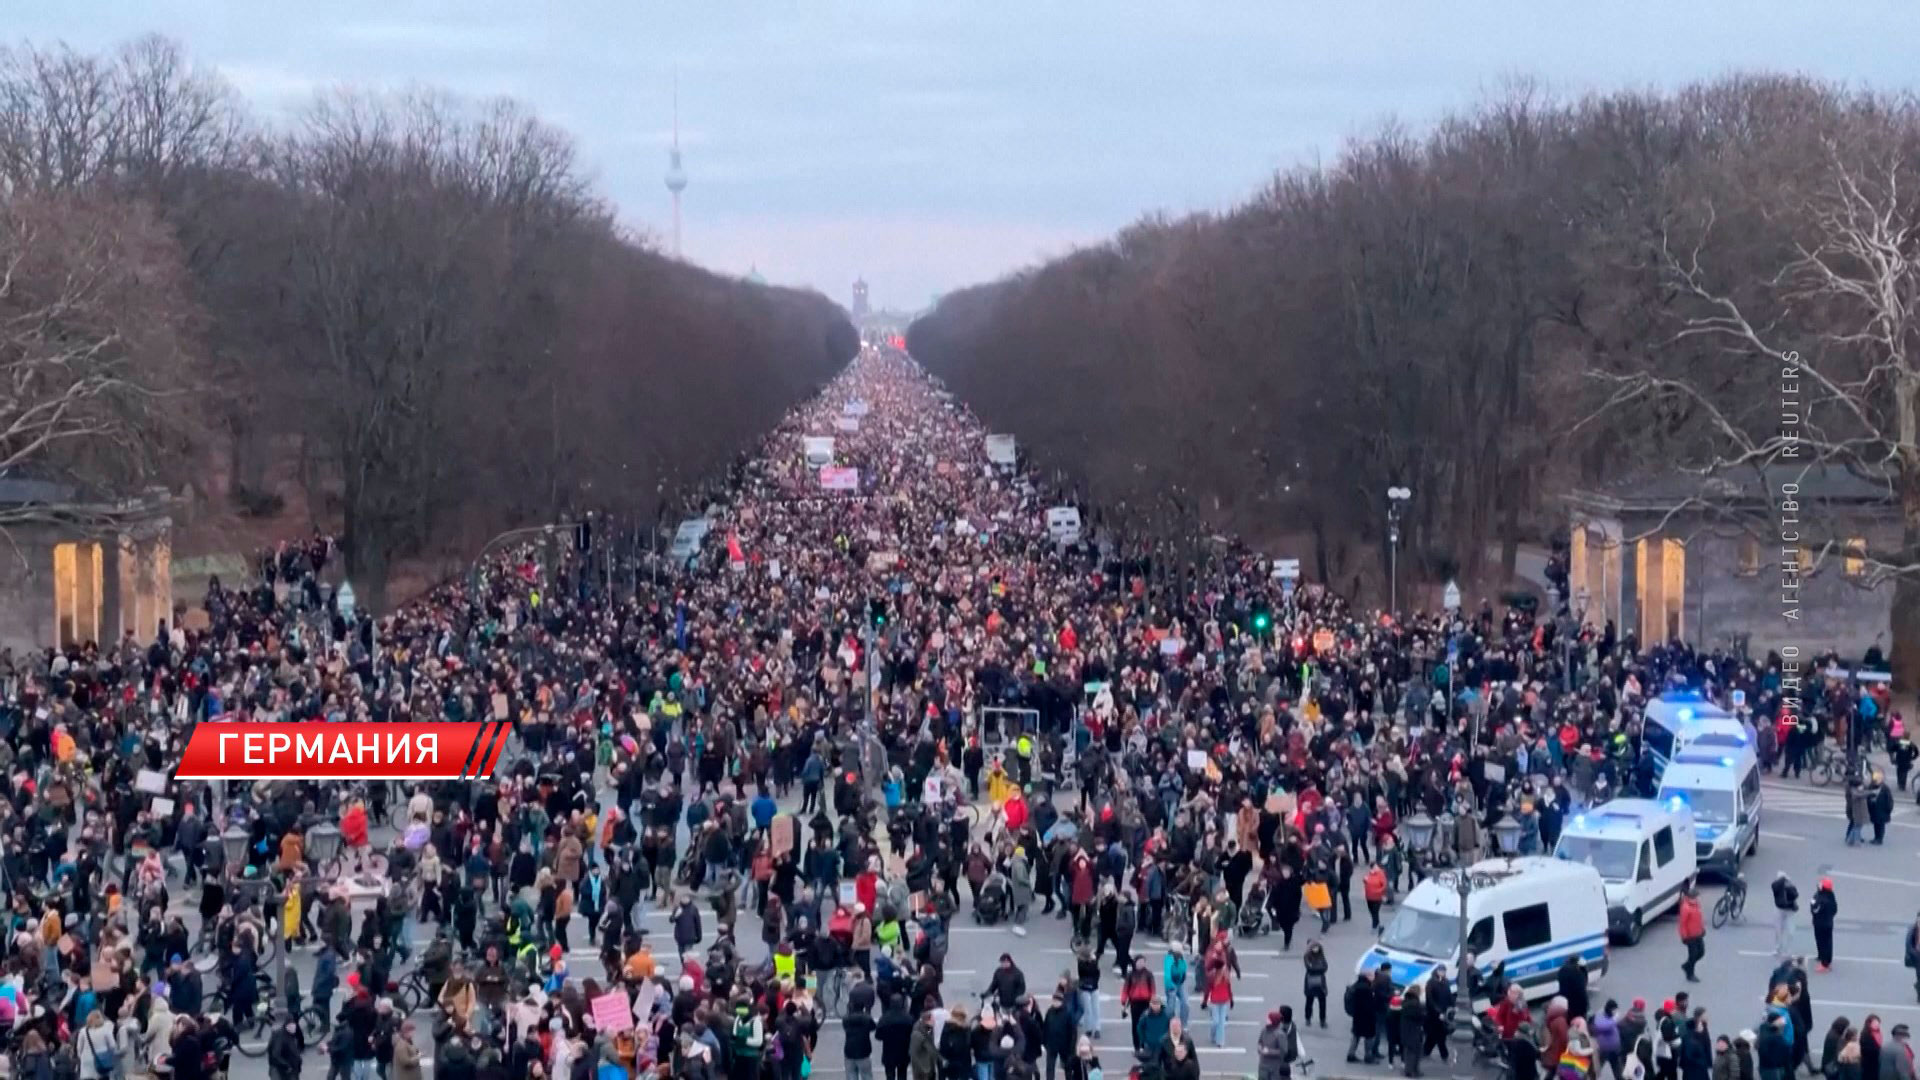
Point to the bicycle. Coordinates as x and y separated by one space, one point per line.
1732 905
355 863
1177 919
412 993
263 995
211 948
1827 766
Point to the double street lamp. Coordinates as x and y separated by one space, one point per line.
1396 502
1423 835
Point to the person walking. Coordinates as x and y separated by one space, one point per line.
1911 954
1363 1021
1786 903
1693 931
1173 980
1879 807
1413 1031
1824 908
1896 1058
1280 1045
1374 888
1219 997
1315 984
896 1034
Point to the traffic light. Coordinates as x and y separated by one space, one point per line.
877 613
1262 619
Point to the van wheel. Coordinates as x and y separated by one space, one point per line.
1634 931
1753 845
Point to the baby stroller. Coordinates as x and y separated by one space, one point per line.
996 900
1255 920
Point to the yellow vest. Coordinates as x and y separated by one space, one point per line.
783 966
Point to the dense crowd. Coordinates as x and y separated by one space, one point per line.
856 712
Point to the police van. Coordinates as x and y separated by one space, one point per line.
1532 913
1719 783
1674 721
1644 851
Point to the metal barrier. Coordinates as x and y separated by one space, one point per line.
999 725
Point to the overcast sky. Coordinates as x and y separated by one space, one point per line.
928 145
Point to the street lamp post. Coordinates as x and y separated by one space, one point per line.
323 844
234 842
1506 834
1422 835
1396 502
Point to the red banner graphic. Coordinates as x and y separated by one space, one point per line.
319 750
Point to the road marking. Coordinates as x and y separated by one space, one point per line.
1268 954
1880 1005
1837 959
980 930
1869 877
1780 835
1199 1020
1128 1050
1237 998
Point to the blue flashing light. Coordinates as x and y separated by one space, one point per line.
1579 819
1686 716
1727 761
1677 801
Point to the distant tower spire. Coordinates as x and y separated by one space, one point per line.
676 176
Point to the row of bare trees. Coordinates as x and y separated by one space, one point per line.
1534 295
418 298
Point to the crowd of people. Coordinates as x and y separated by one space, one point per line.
856 712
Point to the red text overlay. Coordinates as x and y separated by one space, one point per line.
317 750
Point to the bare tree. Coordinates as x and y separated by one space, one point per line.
93 354
1834 321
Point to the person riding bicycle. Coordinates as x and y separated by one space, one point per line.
436 964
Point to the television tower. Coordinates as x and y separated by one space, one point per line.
676 176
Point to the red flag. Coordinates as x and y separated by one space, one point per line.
733 548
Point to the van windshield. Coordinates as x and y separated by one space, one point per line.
1423 933
1613 858
1707 804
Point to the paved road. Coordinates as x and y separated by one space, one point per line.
1878 887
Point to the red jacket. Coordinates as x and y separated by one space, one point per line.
1692 924
1375 885
1508 1017
1082 880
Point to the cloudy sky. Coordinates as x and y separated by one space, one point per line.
927 145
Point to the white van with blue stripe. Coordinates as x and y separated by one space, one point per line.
1644 851
1530 913
1675 720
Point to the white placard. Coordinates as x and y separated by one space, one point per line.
163 807
1171 646
1287 569
1494 773
773 569
1063 524
151 782
842 478
1002 450
1196 760
848 424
